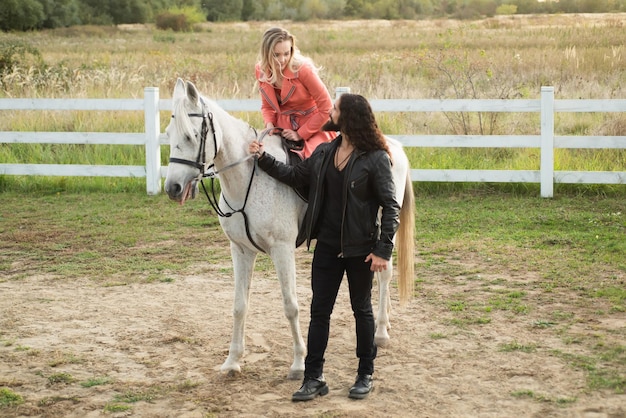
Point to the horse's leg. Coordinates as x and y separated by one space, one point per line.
285 265
243 264
384 306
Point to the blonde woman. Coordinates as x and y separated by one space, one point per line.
293 97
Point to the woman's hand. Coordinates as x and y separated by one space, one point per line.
256 147
291 135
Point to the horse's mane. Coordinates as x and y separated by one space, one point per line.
182 119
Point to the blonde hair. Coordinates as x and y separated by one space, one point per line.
270 70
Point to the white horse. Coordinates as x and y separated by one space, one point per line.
258 213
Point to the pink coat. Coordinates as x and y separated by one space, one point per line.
304 106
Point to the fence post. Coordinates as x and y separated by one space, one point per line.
547 142
153 148
341 90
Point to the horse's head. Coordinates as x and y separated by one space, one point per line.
193 144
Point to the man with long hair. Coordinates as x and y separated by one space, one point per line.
349 181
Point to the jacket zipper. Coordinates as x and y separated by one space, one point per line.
346 186
315 201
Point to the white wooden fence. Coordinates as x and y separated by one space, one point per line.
152 138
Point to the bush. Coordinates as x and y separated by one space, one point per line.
14 52
175 22
179 20
506 9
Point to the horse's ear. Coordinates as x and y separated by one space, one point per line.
192 92
179 89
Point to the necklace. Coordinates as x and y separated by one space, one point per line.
339 165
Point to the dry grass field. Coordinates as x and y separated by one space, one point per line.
581 55
509 57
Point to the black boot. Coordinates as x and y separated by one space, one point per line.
311 387
362 386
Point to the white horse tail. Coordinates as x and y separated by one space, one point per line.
405 243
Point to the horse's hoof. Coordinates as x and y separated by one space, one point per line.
230 369
295 375
230 375
382 342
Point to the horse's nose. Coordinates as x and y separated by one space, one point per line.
173 190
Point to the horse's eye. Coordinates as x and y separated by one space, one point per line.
188 138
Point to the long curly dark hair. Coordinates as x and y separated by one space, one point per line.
358 123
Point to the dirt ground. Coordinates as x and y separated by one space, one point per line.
159 346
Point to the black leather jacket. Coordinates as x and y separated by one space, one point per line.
368 187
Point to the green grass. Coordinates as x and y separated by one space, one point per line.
95 381
135 396
118 237
604 367
539 397
516 346
64 358
65 378
115 407
573 242
9 398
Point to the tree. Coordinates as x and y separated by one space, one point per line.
247 10
313 9
128 11
353 8
60 13
484 7
110 12
220 10
425 7
527 6
20 15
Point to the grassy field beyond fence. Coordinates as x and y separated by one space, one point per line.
510 57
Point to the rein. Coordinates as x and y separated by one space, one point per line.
201 165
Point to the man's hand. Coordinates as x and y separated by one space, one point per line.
378 263
256 147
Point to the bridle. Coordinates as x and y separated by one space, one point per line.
209 170
200 162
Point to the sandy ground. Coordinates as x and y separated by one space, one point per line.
160 345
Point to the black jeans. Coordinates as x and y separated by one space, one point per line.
327 272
